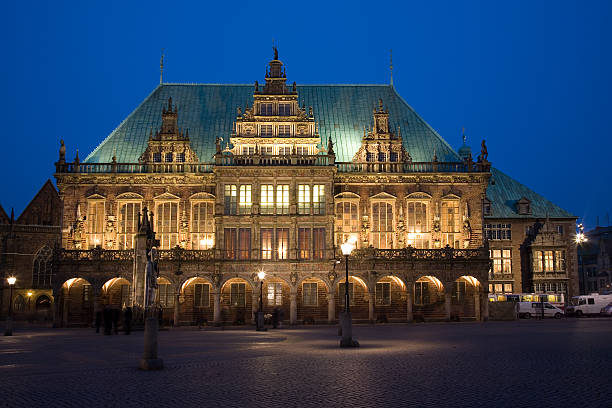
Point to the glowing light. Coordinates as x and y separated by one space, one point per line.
29 294
349 245
261 274
11 280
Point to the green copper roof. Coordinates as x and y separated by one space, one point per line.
209 111
504 193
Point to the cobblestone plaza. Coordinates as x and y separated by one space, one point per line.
524 363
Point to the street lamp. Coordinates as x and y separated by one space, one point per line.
581 239
9 320
260 326
345 318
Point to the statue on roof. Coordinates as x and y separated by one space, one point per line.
484 154
62 152
275 52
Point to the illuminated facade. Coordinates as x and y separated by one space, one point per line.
276 176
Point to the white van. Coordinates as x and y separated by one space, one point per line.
588 304
528 310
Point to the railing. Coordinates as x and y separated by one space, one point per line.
183 255
131 168
412 167
420 254
276 160
96 254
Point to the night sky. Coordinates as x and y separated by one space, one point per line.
531 77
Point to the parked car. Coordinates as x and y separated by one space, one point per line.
607 310
585 305
528 310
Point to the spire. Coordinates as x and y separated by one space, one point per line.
161 67
391 65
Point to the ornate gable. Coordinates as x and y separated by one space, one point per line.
383 196
129 196
44 209
169 144
4 218
166 196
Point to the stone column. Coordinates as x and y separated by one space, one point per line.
370 308
65 309
177 308
254 303
409 312
447 300
484 311
217 307
477 304
293 308
331 307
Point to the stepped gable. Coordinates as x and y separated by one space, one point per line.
4 218
505 193
209 112
44 209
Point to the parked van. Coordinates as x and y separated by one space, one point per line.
588 304
528 310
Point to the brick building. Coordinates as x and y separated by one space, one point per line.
275 176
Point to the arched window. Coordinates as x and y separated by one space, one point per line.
42 271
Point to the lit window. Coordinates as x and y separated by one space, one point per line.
95 223
201 295
266 235
304 243
502 261
267 149
309 294
248 150
303 199
167 224
267 199
417 225
318 243
450 223
180 157
548 261
202 225
266 130
382 225
282 199
284 150
347 221
318 199
537 261
245 203
237 294
560 261
230 199
282 242
128 224
275 294
383 293
244 243
284 130
507 288
168 158
498 231
229 242
284 109
265 109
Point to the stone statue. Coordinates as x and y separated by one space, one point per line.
151 277
275 53
218 145
62 151
484 154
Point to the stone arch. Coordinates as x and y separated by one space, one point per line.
389 298
19 304
277 292
196 300
77 305
359 297
237 300
43 304
429 299
116 292
312 302
465 298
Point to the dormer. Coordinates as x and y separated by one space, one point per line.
523 206
169 144
380 144
486 207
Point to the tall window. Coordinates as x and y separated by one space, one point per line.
383 293
449 218
95 223
265 109
267 235
318 243
417 224
544 261
458 295
342 293
230 199
537 261
265 130
275 294
318 199
244 243
201 295
421 293
382 225
502 261
284 109
128 224
42 274
245 202
282 199
304 244
303 199
165 295
309 294
230 236
498 231
167 224
347 221
168 158
237 294
548 261
267 199
559 261
282 243
284 130
202 225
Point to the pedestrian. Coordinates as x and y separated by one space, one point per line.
116 320
98 320
108 319
160 316
127 320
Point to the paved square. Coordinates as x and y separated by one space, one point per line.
526 363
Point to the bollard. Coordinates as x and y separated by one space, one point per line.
347 331
9 326
149 359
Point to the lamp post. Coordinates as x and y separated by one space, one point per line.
9 319
581 239
259 321
345 318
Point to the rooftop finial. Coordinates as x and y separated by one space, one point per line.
463 134
275 48
161 67
391 65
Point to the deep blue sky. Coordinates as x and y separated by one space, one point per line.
531 77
